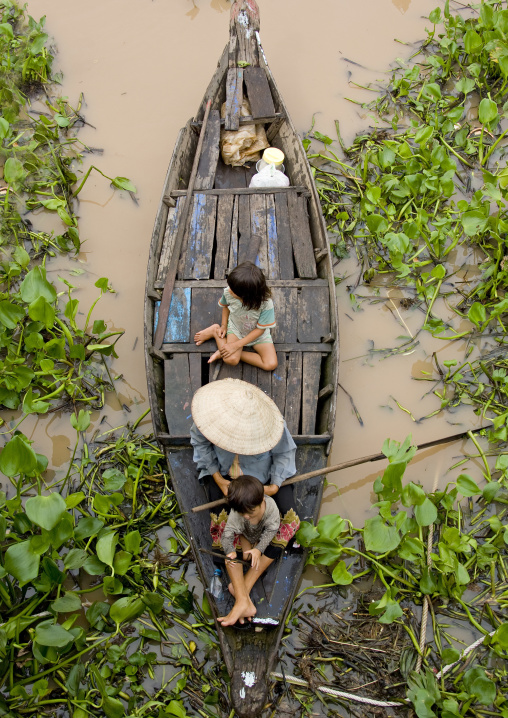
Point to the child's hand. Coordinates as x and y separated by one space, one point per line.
222 331
255 556
231 555
230 349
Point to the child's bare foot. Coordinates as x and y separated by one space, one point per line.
205 334
214 357
240 611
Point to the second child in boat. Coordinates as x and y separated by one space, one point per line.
252 524
247 318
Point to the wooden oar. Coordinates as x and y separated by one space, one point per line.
182 226
345 465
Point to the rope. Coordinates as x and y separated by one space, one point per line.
338 694
426 600
371 701
465 652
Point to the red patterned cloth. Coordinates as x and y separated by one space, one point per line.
289 525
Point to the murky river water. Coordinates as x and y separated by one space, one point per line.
143 68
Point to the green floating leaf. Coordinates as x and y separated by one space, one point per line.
46 511
123 183
14 171
306 534
341 575
132 542
105 548
487 111
331 526
52 634
10 314
82 421
379 537
36 285
17 457
67 603
87 527
76 558
425 513
467 486
126 609
22 562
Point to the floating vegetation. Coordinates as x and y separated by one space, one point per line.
436 550
47 361
97 615
423 196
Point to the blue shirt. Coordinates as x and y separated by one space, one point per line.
272 466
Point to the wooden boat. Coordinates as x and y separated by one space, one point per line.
207 222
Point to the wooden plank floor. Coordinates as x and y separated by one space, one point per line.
272 229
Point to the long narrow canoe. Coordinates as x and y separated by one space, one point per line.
208 221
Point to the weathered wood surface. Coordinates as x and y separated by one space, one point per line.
285 300
258 92
271 239
178 324
233 252
204 312
234 98
279 378
259 256
294 392
223 235
249 120
310 387
285 246
174 260
207 167
313 314
226 176
178 394
198 255
244 22
301 237
244 227
206 347
168 242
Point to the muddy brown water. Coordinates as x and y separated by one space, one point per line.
143 68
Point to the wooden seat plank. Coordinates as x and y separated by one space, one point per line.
233 252
204 312
205 177
176 348
285 302
227 177
272 240
244 227
169 240
258 227
198 255
223 235
301 238
313 314
227 371
294 392
265 381
258 92
178 324
177 394
250 374
234 98
285 246
195 363
310 388
279 377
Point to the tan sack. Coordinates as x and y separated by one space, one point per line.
245 144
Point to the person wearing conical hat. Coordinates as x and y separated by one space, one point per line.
238 430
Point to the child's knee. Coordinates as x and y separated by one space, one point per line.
232 361
271 364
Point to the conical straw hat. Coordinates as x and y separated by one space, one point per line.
237 416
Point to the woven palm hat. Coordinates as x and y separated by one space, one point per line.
237 417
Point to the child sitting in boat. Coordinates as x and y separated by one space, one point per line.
247 318
252 524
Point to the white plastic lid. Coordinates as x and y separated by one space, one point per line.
274 156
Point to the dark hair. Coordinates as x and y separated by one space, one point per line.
248 282
245 493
